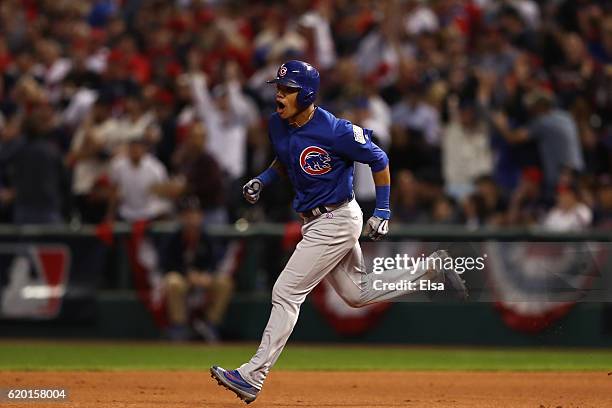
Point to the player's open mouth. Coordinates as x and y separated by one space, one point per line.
279 106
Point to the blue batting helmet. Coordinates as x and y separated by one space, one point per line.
301 75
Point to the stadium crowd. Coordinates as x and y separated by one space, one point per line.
492 112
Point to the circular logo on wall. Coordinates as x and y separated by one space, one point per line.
315 161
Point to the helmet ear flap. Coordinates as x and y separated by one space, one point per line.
305 98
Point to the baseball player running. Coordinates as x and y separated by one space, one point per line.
317 152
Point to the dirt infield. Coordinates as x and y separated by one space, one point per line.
146 389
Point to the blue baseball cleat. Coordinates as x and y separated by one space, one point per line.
233 381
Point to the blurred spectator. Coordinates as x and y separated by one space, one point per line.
316 26
486 206
574 77
191 277
555 132
135 177
200 175
113 71
419 18
415 114
466 151
569 213
90 155
10 144
519 33
603 209
602 48
377 57
526 205
37 173
408 151
227 114
135 123
443 211
406 202
373 113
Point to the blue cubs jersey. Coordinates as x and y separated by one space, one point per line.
319 157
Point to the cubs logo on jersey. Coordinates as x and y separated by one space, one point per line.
315 161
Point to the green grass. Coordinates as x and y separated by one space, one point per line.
158 356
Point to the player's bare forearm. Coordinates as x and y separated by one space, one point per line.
382 178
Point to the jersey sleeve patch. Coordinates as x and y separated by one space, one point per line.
358 134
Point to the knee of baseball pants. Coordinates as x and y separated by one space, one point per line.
284 295
352 296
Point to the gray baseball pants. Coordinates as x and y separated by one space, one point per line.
330 250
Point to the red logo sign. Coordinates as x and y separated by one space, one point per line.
37 279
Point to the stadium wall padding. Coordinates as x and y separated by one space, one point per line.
124 317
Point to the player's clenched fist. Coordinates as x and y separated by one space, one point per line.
252 190
376 228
